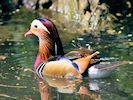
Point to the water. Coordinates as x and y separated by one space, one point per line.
17 54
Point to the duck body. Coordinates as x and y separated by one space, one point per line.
65 67
59 67
50 60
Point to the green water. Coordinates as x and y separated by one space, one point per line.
17 55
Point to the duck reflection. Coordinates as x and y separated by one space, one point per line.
64 86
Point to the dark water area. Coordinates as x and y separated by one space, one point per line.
17 54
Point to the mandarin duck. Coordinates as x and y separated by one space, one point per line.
50 60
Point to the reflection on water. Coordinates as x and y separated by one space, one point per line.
17 54
73 88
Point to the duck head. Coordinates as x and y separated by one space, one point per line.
49 40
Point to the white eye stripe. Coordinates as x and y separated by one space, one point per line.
39 24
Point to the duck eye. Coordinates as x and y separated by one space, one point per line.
35 26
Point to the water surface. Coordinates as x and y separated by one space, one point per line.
17 54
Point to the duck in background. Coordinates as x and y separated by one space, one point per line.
51 60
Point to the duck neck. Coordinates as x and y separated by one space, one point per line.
45 51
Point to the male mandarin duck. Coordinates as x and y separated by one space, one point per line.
50 60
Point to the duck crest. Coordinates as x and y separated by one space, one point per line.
53 36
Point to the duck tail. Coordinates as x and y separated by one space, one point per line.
111 67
